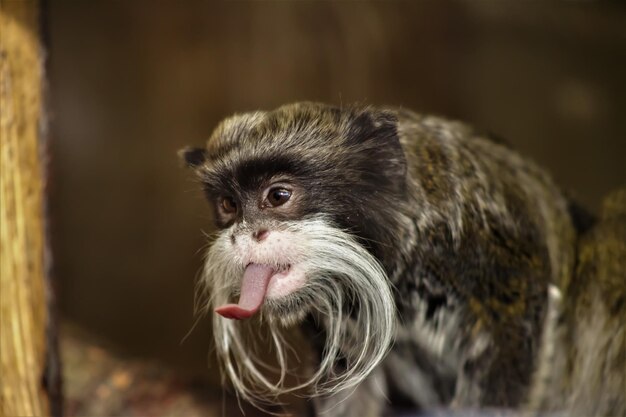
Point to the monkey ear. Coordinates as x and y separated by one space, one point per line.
373 125
376 132
193 157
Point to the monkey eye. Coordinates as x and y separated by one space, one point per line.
229 205
278 196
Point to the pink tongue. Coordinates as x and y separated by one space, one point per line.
253 288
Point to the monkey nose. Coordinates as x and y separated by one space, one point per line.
260 234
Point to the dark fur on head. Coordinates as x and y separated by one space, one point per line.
350 162
407 227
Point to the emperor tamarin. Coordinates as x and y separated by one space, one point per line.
426 262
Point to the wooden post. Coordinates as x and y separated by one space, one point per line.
24 314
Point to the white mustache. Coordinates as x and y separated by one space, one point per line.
341 275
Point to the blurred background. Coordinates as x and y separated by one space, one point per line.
132 82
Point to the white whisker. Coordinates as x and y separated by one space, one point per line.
342 277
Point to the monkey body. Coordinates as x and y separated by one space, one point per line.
429 260
492 236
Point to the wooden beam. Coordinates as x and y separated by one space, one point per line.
23 305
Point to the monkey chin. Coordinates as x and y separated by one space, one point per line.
288 310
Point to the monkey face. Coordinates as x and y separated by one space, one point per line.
274 178
305 201
262 235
